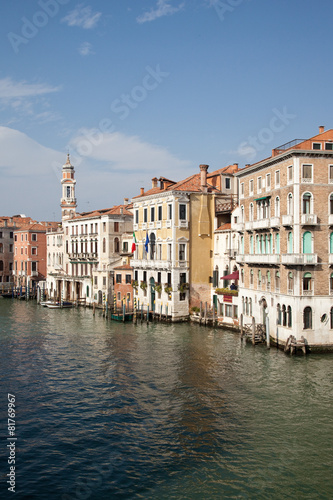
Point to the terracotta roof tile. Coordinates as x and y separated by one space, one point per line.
125 267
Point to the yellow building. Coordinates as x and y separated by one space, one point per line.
174 224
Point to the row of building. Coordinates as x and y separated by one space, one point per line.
267 228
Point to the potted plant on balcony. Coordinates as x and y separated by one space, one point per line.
225 291
182 287
158 287
167 288
135 284
143 285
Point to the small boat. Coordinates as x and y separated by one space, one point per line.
58 305
120 317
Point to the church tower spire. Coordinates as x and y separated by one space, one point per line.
68 200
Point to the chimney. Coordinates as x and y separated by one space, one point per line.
6 222
125 201
154 182
321 129
142 191
121 211
203 177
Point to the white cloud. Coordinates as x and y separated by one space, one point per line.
82 17
163 8
85 49
11 90
125 153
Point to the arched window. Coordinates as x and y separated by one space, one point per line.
278 314
307 318
267 243
290 282
250 306
1 247
242 276
290 242
116 245
331 204
331 317
242 214
104 245
251 212
277 280
262 244
1 265
307 242
271 243
259 278
306 204
257 244
268 277
331 283
290 205
307 283
331 243
251 244
251 277
246 306
243 305
284 315
277 207
242 244
289 317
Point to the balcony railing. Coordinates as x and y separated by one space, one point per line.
261 224
239 226
299 259
309 219
183 224
275 221
287 220
269 259
151 264
249 225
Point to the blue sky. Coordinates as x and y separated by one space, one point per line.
137 89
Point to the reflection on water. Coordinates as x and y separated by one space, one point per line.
108 410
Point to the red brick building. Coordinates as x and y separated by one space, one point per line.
123 276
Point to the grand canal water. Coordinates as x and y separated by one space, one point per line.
108 410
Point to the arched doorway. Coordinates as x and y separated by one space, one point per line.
264 311
152 293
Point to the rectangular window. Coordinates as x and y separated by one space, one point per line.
227 183
95 280
330 174
169 251
104 280
316 145
228 311
242 190
160 212
34 237
144 275
182 212
259 184
22 237
33 250
182 251
118 278
116 227
290 173
169 212
15 238
152 214
329 146
277 178
128 279
136 216
33 266
118 296
145 214
251 186
306 173
136 275
268 182
159 251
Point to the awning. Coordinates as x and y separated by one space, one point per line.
262 198
232 276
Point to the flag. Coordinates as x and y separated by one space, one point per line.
134 243
147 242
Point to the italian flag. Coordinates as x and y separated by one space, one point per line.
134 243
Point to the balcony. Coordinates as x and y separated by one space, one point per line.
249 226
287 220
168 223
183 224
299 259
330 219
240 258
151 264
265 259
309 220
275 221
34 274
82 256
239 226
330 259
261 224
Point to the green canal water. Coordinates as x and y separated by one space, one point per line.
110 410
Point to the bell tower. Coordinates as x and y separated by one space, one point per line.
68 201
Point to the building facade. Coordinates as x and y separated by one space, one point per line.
286 241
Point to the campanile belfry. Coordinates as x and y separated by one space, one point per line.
68 201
